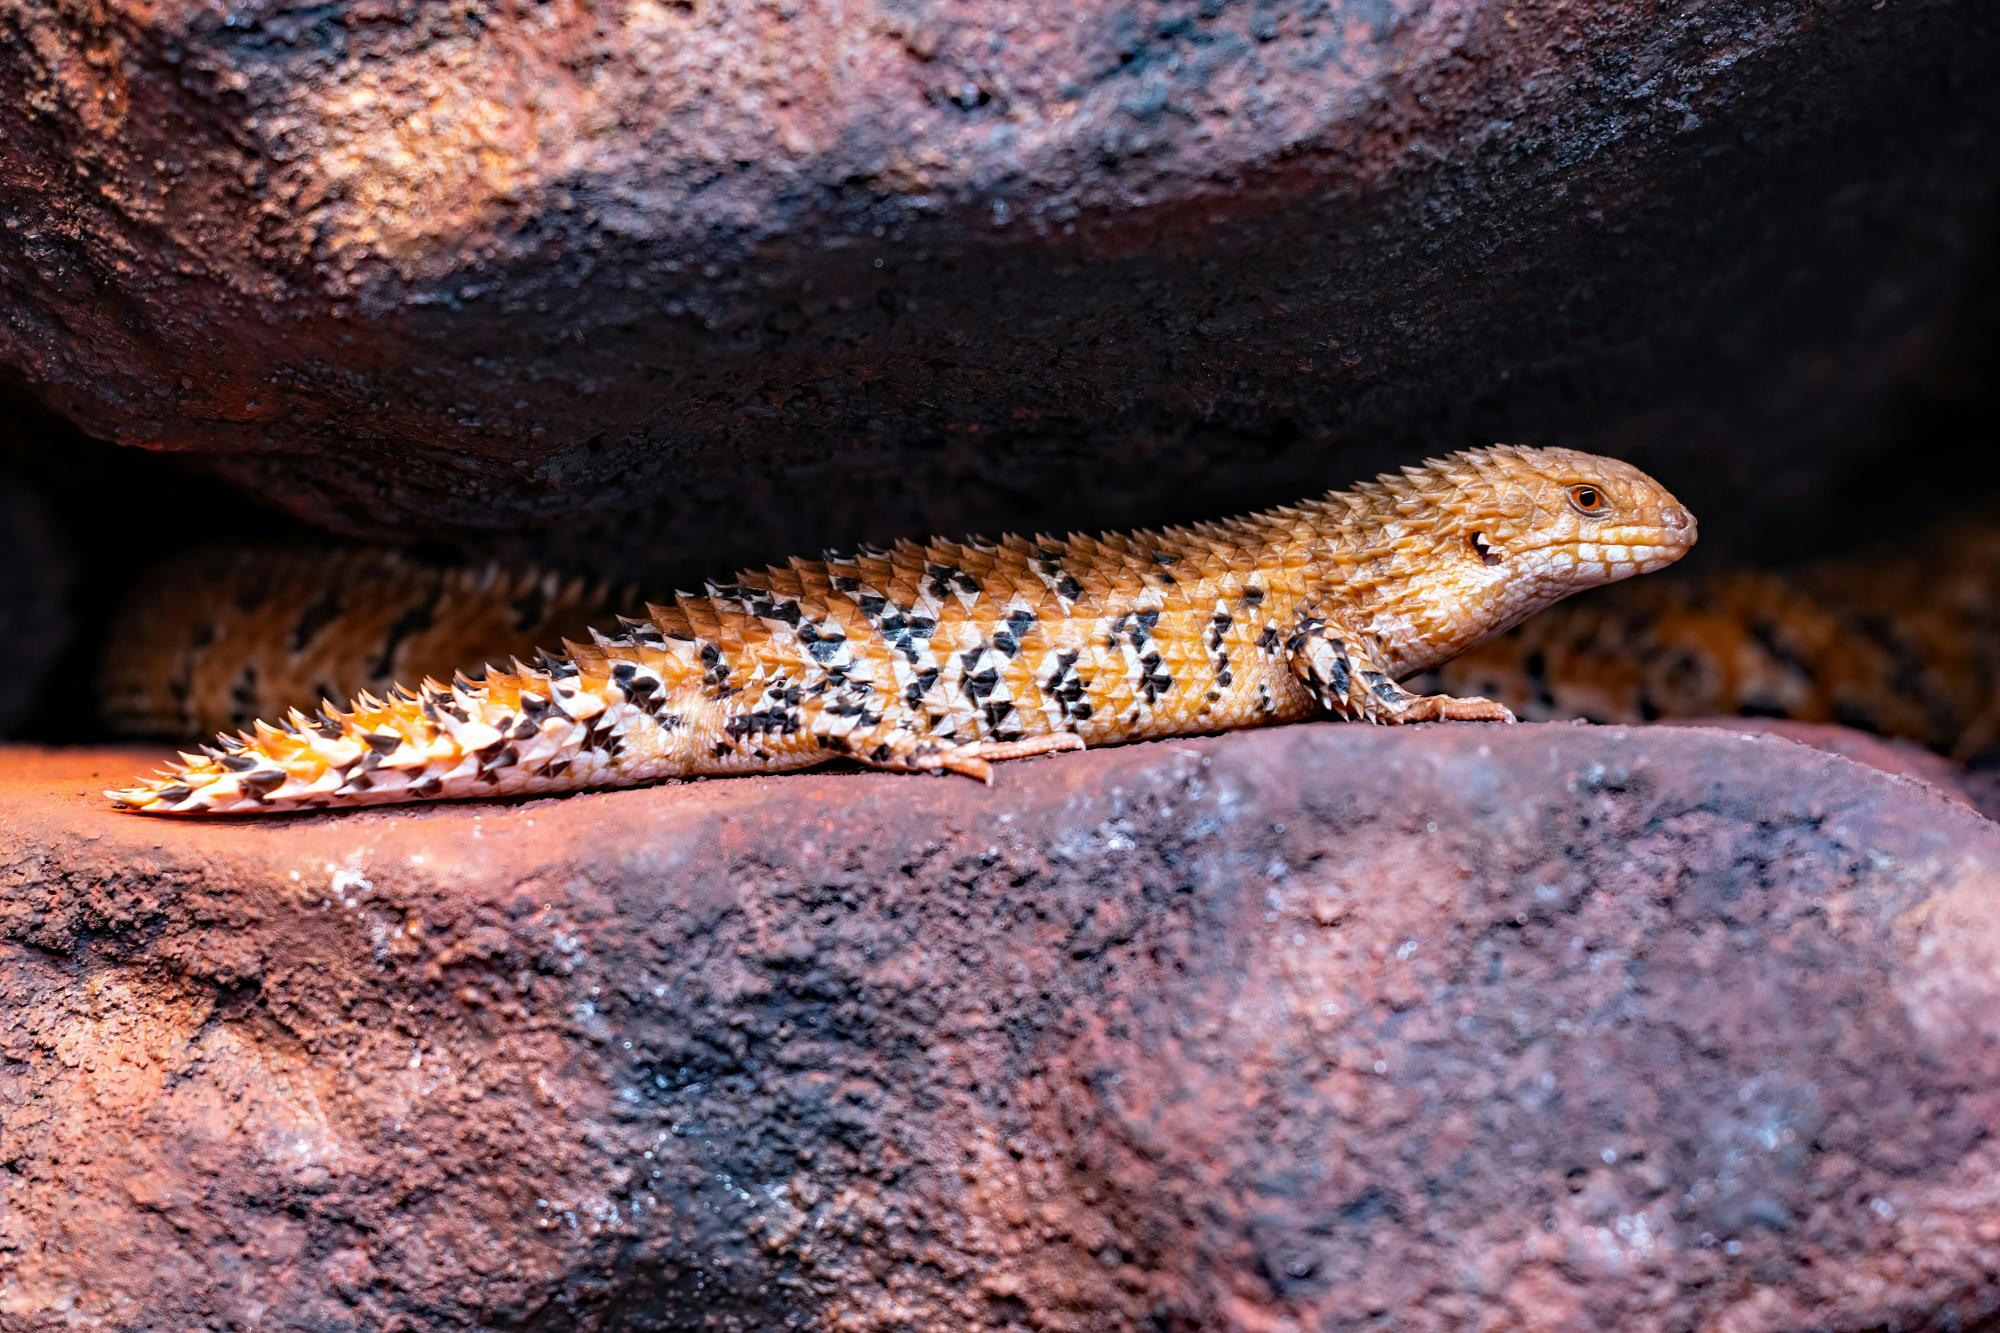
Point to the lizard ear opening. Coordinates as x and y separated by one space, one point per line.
1485 548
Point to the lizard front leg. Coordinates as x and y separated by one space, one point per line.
1344 678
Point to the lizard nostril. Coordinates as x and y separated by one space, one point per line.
1675 517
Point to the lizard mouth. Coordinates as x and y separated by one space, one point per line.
1615 559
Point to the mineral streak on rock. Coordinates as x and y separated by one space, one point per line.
1318 1027
749 278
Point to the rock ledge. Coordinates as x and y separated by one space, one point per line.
1537 1027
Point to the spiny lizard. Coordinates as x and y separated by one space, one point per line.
950 656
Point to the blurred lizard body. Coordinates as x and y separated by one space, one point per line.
1903 641
948 655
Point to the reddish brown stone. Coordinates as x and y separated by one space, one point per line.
1324 1027
1903 758
687 278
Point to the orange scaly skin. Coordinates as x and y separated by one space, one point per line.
1903 642
950 656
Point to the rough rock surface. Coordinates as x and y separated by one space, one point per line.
1903 758
1322 1027
736 279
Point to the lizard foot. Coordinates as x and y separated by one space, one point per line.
1449 708
975 759
1337 666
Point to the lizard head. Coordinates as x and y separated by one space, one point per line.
1483 539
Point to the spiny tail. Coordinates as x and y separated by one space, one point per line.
554 726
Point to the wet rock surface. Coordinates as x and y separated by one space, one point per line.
742 280
1547 1026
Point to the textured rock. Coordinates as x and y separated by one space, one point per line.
1903 758
740 279
1323 1027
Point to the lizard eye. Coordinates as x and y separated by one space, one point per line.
1586 499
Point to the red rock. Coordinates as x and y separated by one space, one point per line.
747 278
1325 1027
1903 758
